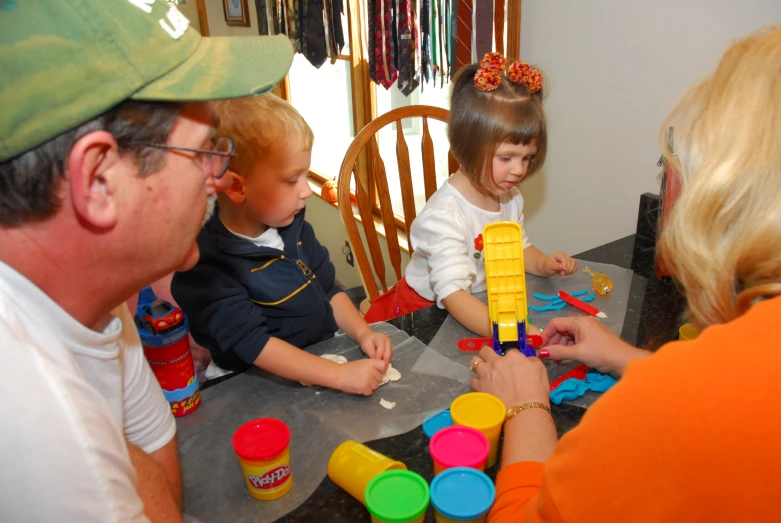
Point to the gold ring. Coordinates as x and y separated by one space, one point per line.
474 365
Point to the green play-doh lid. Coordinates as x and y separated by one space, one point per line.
397 496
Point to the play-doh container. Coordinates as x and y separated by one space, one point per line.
459 446
263 448
353 465
462 494
397 496
483 412
437 422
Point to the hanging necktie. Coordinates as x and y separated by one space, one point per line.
484 27
314 33
280 17
262 8
385 72
336 24
442 23
408 35
434 42
464 45
291 9
330 37
453 37
425 39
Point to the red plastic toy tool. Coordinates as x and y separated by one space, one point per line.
475 344
582 305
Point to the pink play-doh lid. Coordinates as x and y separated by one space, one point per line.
459 447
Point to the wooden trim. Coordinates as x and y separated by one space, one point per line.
499 25
282 89
203 19
514 8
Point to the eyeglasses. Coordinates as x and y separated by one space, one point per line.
215 161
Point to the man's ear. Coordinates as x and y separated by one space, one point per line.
91 163
235 192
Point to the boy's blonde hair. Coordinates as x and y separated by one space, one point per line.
481 121
723 238
255 123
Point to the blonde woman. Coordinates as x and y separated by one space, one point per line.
692 432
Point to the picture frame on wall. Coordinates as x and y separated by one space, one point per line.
236 13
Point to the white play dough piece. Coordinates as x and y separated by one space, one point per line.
335 358
391 375
387 404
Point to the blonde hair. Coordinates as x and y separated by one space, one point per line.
255 123
723 238
481 121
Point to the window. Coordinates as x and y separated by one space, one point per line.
346 100
392 99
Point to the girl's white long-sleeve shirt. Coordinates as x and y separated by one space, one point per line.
447 239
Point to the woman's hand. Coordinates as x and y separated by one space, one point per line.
513 378
587 340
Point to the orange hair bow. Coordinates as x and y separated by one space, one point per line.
494 65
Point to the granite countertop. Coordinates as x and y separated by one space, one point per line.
653 315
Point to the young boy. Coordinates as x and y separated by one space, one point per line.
264 285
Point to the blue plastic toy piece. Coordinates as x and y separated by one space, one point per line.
574 388
553 306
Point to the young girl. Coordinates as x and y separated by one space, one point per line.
497 133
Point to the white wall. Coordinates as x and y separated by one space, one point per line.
615 68
190 10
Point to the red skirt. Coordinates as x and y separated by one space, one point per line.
399 300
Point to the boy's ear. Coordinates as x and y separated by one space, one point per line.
235 192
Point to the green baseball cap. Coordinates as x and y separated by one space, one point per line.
64 62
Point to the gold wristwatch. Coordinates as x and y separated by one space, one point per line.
513 411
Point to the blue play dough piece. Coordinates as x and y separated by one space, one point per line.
545 298
574 388
590 297
553 306
438 422
579 293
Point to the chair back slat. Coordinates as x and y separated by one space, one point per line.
373 191
405 179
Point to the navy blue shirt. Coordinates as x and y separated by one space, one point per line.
239 295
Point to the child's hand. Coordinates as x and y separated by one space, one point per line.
361 376
376 346
559 264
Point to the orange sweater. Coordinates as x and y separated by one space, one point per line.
692 434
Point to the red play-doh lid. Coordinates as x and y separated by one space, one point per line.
261 439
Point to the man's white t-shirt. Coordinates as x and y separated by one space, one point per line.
69 399
447 238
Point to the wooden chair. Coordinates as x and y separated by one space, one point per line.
362 207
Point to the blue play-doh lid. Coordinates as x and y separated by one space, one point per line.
462 493
437 422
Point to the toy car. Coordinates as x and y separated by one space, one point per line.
158 317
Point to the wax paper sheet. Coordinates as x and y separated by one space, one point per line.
319 420
445 342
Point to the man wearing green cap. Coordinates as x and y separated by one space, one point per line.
107 161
